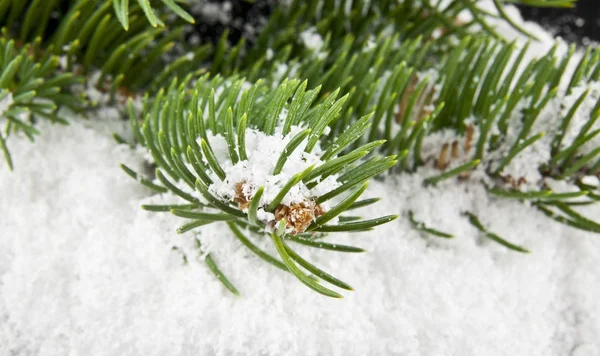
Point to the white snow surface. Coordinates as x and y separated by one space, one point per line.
85 271
5 102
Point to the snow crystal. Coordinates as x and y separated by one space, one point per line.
212 12
63 62
591 180
371 44
281 70
6 100
263 215
311 39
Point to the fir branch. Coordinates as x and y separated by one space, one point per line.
32 86
204 119
90 36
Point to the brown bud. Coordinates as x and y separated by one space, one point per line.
240 198
454 151
469 138
442 162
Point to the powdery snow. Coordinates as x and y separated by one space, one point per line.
85 271
263 152
6 100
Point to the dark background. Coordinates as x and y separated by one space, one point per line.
580 24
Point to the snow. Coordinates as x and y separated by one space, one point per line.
263 152
580 120
590 180
213 12
85 271
6 100
312 39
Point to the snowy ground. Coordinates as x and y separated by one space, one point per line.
85 271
